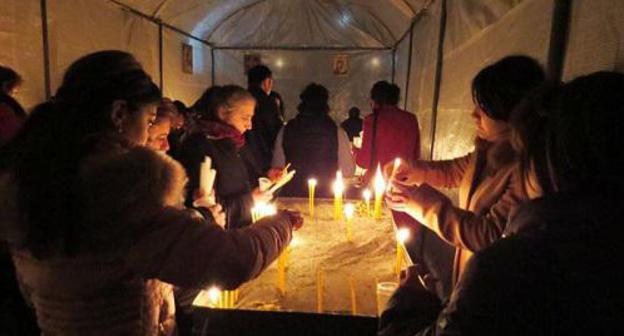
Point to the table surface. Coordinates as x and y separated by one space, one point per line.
322 244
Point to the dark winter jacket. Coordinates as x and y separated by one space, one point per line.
353 127
554 274
12 117
134 244
311 145
266 123
237 174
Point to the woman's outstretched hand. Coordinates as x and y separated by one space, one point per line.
403 198
405 174
295 218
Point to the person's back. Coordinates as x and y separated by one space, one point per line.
388 132
353 124
310 143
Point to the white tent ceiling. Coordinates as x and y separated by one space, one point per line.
287 23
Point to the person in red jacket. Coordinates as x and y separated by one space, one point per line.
388 132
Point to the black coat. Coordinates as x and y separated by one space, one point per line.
555 274
266 123
353 127
237 174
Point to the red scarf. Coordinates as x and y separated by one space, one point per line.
220 130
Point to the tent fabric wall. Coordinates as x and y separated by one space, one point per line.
78 27
293 70
596 40
401 61
525 29
22 47
178 85
422 72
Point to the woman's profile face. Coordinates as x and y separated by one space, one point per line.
488 128
158 134
136 125
240 115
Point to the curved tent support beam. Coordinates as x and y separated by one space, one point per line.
160 22
292 48
229 16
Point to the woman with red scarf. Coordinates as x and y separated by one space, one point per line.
226 115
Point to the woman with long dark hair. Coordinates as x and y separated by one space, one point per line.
93 217
555 272
489 186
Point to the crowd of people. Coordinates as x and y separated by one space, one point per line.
101 204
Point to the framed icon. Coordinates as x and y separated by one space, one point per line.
340 65
187 58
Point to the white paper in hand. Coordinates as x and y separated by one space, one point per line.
207 177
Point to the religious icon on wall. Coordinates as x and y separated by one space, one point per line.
187 58
340 65
251 60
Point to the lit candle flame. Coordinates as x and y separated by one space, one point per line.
349 210
395 168
312 182
380 184
367 195
214 294
403 235
339 183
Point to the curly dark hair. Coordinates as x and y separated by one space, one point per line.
46 154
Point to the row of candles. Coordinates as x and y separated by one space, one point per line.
379 184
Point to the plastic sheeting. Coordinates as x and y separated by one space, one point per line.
293 70
179 85
22 47
525 29
596 40
270 23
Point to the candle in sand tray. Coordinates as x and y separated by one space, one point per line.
402 236
311 187
380 188
349 210
367 197
338 194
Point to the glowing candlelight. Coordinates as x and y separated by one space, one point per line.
395 168
367 197
402 236
320 283
214 296
349 210
380 187
311 187
261 210
353 297
338 192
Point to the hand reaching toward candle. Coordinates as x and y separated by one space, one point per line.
405 198
295 218
405 173
259 196
274 174
218 214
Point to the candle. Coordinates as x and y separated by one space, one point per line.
380 187
319 290
338 191
349 210
367 197
395 168
261 210
214 296
281 272
222 299
353 297
402 236
311 186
